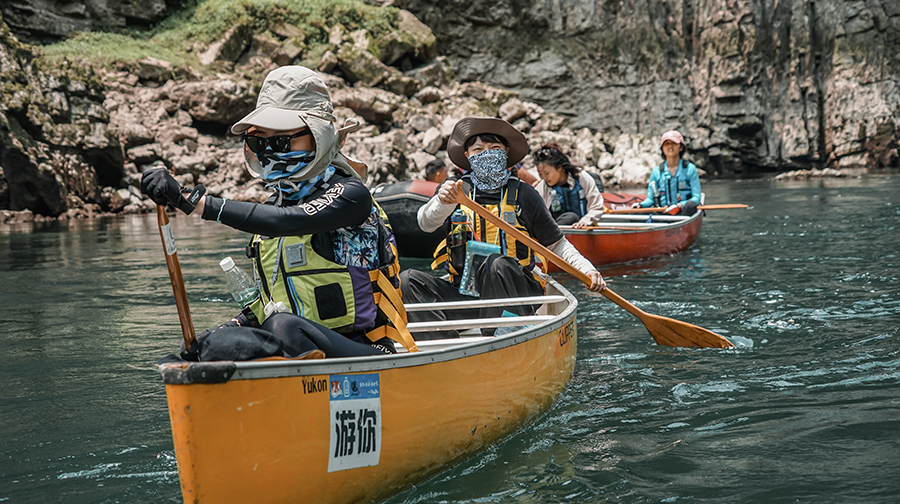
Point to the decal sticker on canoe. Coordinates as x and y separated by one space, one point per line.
565 334
355 421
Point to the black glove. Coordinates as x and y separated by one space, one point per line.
162 188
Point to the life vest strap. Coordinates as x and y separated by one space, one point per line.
441 259
545 265
541 279
389 291
390 303
386 331
441 256
393 269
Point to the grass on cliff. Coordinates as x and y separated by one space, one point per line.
204 21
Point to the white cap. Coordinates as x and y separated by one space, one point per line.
226 264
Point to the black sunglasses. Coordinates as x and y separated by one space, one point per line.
543 155
279 143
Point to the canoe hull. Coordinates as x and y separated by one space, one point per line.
610 246
401 202
290 431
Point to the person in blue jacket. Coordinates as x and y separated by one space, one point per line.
674 184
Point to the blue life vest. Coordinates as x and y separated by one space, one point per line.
568 199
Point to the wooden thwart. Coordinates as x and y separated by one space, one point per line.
484 303
462 324
665 331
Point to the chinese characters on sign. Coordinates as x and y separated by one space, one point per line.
355 421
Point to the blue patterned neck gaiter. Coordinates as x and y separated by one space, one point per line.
282 165
489 170
281 169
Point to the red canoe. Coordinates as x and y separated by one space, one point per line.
619 238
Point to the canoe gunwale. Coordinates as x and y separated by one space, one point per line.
395 197
617 227
223 371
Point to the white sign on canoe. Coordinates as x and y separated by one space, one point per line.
355 421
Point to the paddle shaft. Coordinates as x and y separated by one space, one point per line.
664 330
537 247
724 206
181 302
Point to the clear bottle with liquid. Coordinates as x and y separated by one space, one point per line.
556 205
459 228
242 286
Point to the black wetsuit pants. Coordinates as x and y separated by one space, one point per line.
497 277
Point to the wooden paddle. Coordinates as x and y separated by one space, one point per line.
607 228
665 331
725 206
181 302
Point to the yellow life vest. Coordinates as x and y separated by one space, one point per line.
341 297
484 231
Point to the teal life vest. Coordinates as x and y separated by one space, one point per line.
674 189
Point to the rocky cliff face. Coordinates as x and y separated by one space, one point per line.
78 142
56 147
755 85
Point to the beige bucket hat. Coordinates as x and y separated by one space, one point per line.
292 97
468 127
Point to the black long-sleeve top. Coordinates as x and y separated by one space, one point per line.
344 202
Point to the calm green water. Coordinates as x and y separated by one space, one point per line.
809 413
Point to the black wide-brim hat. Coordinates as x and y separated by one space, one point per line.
468 127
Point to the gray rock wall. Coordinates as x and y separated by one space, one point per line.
755 85
48 20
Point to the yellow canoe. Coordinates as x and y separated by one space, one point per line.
360 429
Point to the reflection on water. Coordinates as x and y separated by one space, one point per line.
84 415
808 413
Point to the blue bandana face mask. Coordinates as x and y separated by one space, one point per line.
489 170
279 167
282 165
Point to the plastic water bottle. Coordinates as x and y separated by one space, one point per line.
241 285
459 229
655 189
556 205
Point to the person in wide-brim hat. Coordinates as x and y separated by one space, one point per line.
469 127
487 148
293 97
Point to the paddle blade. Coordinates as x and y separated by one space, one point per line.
675 333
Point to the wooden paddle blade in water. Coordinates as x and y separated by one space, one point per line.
665 331
671 332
